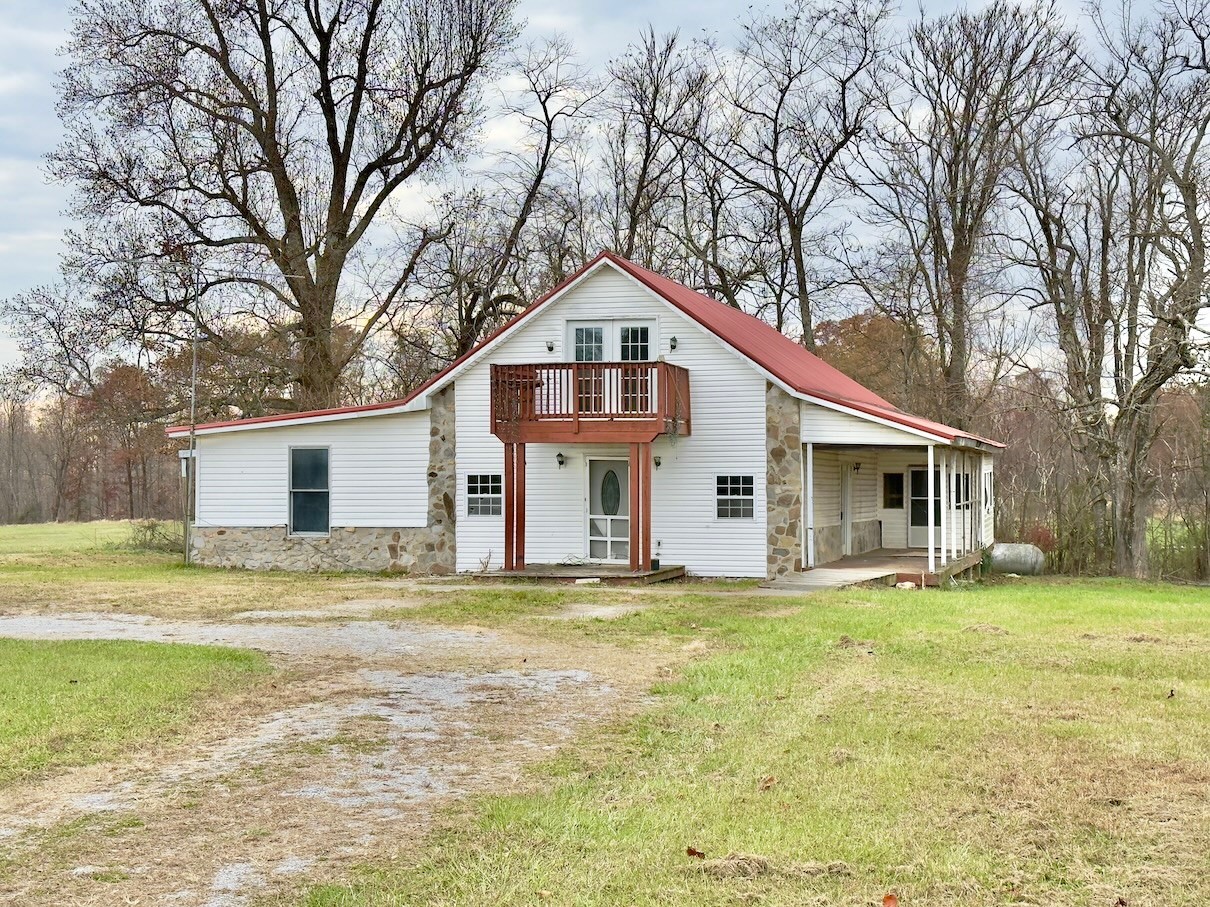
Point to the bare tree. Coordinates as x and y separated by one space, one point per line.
1117 245
260 141
795 94
936 178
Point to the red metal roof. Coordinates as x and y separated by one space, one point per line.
777 354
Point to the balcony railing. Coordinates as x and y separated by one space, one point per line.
589 401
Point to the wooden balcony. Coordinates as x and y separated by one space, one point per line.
607 402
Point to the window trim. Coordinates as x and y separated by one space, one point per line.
290 490
494 479
903 495
741 498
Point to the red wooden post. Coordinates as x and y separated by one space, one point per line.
510 561
645 528
519 532
635 504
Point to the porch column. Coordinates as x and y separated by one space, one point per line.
640 506
932 490
955 513
514 506
808 517
943 500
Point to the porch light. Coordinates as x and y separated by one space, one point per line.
672 343
856 467
550 346
656 460
560 459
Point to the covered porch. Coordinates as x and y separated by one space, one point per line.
899 508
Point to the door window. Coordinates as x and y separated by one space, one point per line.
920 493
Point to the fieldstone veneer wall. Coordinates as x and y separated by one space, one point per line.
428 549
783 483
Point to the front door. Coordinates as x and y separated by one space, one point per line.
918 514
609 510
846 507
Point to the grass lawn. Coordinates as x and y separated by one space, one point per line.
1032 742
76 702
1027 742
61 538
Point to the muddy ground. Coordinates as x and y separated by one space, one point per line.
365 730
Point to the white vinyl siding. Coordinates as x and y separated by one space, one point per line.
378 473
728 410
827 426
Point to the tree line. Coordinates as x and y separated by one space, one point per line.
995 218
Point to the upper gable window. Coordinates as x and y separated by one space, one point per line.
635 343
590 344
612 340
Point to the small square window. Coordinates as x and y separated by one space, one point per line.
892 491
734 497
484 494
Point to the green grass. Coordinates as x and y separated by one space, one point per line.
76 702
1037 742
59 538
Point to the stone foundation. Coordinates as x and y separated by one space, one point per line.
426 549
414 550
783 482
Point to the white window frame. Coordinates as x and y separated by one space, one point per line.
731 498
611 334
493 500
290 489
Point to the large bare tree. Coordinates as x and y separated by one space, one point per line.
259 143
1117 246
794 95
936 177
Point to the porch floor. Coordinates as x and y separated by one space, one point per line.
889 565
610 574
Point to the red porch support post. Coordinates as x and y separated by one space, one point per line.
636 481
514 506
646 504
510 559
640 506
519 532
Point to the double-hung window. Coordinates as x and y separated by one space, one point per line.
484 494
309 491
734 497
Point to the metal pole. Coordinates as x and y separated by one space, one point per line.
191 485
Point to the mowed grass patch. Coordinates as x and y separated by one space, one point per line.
68 703
41 539
1033 742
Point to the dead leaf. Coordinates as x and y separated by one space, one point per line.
544 895
692 851
767 782
890 900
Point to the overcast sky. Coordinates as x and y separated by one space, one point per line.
31 33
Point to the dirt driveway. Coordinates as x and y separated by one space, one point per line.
368 728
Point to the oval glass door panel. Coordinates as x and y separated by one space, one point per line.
611 493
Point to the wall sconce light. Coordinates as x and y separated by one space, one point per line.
550 346
672 344
856 467
560 459
656 460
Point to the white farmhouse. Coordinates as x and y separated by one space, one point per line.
621 421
